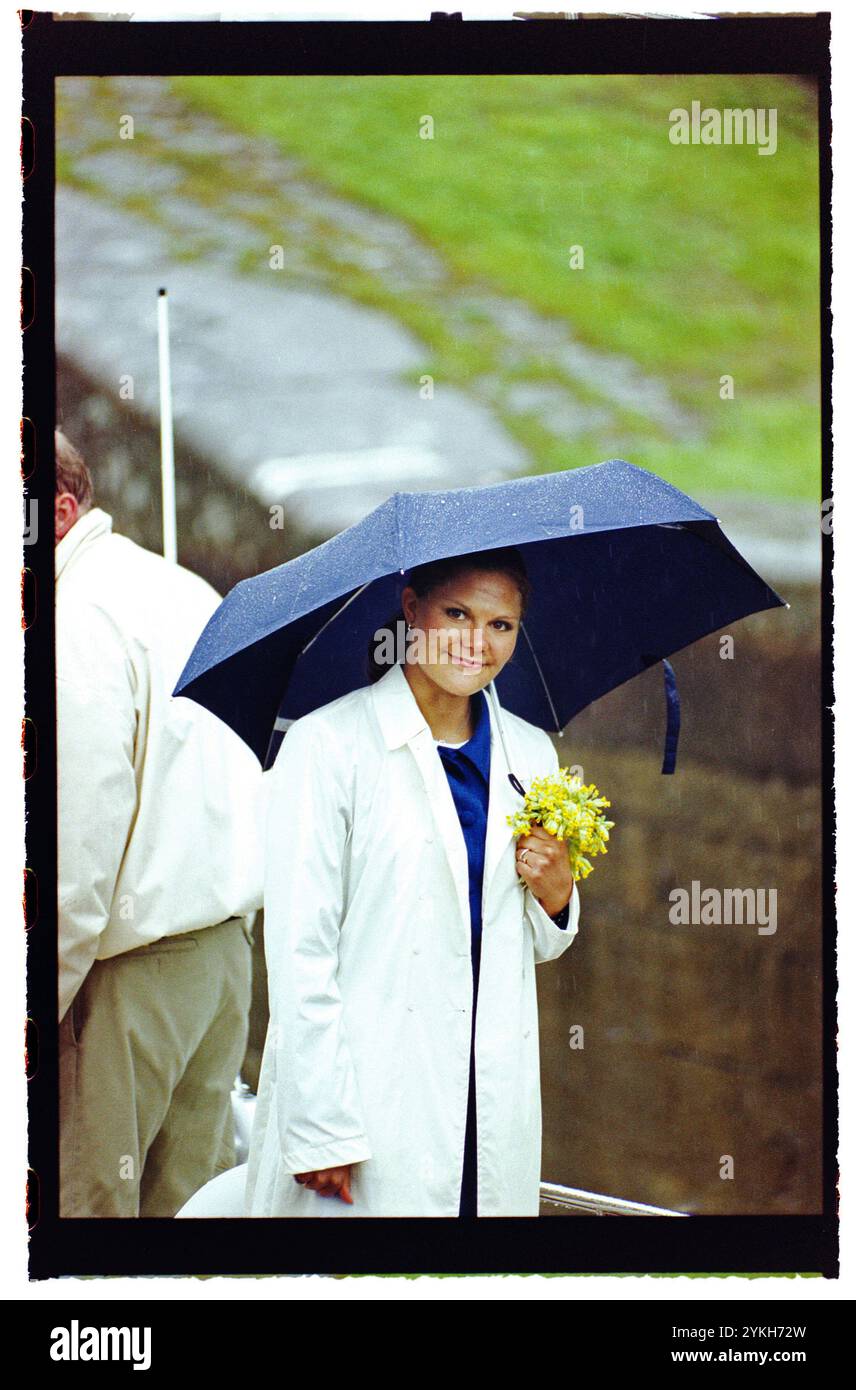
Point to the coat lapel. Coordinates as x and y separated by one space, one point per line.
445 815
402 722
503 801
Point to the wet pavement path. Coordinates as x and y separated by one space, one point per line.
294 368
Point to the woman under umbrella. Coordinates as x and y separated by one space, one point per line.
400 1074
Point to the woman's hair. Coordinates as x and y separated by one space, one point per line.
423 578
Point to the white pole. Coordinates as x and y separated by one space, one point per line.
167 455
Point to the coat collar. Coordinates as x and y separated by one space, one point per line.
398 714
86 529
402 722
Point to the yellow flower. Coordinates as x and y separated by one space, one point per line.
569 810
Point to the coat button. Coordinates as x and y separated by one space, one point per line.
429 839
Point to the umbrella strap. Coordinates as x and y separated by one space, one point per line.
673 717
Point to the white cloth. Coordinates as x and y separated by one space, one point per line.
160 805
367 935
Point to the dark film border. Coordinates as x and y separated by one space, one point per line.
771 1244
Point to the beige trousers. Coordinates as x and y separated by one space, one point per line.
148 1054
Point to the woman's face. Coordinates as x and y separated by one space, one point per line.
465 629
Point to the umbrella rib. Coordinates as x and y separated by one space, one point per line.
333 617
543 682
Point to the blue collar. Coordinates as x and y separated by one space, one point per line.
477 748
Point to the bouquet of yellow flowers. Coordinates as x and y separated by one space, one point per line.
570 811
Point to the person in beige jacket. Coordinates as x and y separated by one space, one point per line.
160 875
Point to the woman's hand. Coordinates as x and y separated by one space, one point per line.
543 864
329 1182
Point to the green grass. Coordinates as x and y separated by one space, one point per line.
699 260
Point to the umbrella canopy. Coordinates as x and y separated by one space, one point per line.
625 570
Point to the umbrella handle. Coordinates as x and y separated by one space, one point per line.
497 714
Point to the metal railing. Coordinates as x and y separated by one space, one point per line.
597 1203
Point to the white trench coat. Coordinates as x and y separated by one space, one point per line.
367 937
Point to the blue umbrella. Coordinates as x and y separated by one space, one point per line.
625 570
